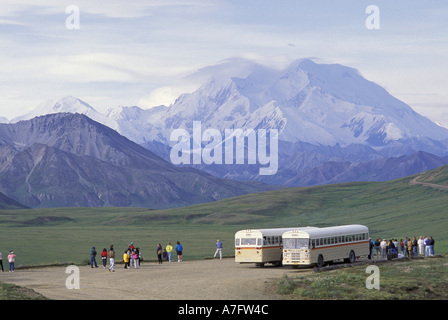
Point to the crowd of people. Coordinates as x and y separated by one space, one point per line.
132 256
408 247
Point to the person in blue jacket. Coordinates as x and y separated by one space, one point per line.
218 249
179 250
92 257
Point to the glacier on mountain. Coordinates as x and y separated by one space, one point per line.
322 104
321 111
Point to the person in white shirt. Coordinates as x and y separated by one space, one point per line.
421 246
383 247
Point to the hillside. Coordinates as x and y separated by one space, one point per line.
397 208
69 160
383 206
8 203
436 179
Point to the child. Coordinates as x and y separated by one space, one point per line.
126 260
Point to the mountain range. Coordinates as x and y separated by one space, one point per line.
68 159
333 126
320 104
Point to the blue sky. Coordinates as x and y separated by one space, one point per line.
137 52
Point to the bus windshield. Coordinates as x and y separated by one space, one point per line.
294 243
248 241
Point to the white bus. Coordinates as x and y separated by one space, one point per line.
320 245
260 246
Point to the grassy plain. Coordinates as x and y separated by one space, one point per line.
403 279
393 209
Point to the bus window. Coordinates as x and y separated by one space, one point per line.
259 242
294 243
289 243
237 242
248 241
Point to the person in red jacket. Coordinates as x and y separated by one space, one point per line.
104 257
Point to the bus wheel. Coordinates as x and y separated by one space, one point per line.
351 257
320 261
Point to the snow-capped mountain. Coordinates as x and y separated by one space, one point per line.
322 104
324 113
135 123
132 122
67 104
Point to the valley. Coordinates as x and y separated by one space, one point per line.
394 208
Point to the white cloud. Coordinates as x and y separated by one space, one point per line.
139 52
164 96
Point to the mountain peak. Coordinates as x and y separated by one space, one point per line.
318 103
70 103
67 104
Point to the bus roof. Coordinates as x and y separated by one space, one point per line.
272 231
329 231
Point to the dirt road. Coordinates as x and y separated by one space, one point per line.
188 280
